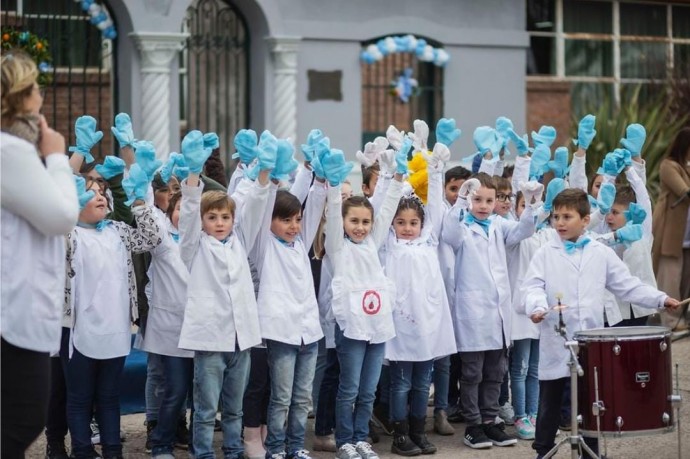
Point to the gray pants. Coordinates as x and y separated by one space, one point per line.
480 384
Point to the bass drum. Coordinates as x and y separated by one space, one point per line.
632 368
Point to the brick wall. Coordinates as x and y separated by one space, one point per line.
549 103
76 94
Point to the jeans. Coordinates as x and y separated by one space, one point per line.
524 377
94 382
360 368
56 424
480 384
219 376
384 387
441 383
410 381
292 373
178 379
258 392
324 424
25 386
155 386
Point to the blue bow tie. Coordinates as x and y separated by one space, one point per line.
98 226
570 247
175 237
469 219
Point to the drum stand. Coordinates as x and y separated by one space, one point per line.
575 439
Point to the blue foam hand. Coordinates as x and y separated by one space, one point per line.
123 131
635 213
635 136
317 168
559 164
609 166
629 233
87 136
211 140
83 195
484 138
111 167
545 136
607 194
169 166
335 167
623 158
136 184
586 132
268 151
401 157
503 125
312 139
194 152
521 143
145 157
180 169
446 131
285 160
245 143
540 161
592 201
552 190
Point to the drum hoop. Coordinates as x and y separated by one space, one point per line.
608 334
602 339
630 433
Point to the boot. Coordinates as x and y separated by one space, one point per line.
418 436
380 417
402 444
253 445
56 451
441 424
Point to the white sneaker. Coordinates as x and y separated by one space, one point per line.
507 414
347 451
365 450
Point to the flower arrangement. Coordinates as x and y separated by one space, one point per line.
36 47
405 44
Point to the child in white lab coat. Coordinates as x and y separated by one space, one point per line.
577 270
482 305
421 314
361 302
221 322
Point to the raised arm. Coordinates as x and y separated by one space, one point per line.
577 178
384 218
257 205
148 234
300 187
642 198
190 218
334 221
313 211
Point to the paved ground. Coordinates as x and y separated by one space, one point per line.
656 446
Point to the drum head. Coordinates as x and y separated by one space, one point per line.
622 333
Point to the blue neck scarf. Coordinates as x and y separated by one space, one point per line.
571 247
175 237
284 242
98 226
469 219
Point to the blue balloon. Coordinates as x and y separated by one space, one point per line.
421 44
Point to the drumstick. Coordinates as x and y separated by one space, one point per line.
684 302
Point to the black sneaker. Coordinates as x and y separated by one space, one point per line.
496 433
150 425
454 415
564 424
56 451
476 438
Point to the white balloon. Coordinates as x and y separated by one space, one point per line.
94 9
104 24
428 54
412 42
375 52
390 44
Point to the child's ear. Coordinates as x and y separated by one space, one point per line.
586 220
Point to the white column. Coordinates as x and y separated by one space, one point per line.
157 53
284 51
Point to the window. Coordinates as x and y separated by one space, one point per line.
604 47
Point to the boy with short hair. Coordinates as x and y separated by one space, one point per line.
575 271
454 178
370 175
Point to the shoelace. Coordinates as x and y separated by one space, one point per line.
302 453
366 447
350 450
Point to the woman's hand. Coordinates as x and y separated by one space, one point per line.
51 141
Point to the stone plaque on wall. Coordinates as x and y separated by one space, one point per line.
325 85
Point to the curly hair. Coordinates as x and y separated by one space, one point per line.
412 202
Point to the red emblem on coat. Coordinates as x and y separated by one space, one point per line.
371 302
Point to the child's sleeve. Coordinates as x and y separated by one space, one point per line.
453 230
515 232
147 234
189 225
236 178
300 187
629 288
380 191
534 286
121 211
313 210
434 207
334 222
577 178
640 167
491 166
255 218
642 198
384 218
521 172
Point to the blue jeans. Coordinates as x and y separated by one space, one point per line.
524 377
410 381
178 379
292 373
93 382
219 376
154 389
441 383
324 424
360 368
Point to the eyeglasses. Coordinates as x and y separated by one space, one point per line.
504 197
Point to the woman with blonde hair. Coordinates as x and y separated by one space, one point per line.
39 207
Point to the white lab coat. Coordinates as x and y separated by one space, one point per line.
221 307
423 326
288 310
580 279
324 298
362 294
482 305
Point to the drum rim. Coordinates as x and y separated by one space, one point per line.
629 433
609 334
